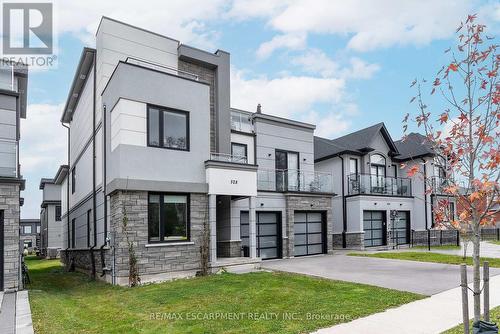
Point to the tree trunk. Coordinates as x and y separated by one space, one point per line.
476 272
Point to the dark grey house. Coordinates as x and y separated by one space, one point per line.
13 90
30 235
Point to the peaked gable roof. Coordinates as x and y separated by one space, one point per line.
357 142
414 146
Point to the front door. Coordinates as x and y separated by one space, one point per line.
401 228
1 249
268 233
309 233
375 227
287 170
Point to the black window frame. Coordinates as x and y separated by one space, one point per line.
73 180
356 172
58 213
161 111
241 145
73 225
89 219
161 232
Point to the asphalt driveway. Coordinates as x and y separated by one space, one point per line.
419 277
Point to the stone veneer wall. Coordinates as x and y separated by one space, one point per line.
305 202
229 249
161 261
9 204
206 75
354 240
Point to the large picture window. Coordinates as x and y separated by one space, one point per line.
168 217
168 128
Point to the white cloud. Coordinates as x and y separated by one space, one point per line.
185 20
329 125
290 96
288 41
42 151
360 69
316 61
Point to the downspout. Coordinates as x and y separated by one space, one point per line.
94 203
425 195
105 241
67 194
344 206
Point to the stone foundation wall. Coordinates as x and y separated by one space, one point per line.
354 240
81 260
307 203
9 204
437 237
229 249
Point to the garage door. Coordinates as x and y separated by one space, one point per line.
309 233
401 233
268 234
1 250
374 225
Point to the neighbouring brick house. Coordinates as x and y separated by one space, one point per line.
13 90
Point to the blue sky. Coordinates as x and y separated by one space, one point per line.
342 65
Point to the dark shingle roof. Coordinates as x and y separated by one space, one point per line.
415 145
44 181
355 143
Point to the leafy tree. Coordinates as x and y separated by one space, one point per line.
465 135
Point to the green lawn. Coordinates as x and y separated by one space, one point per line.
494 317
427 257
64 302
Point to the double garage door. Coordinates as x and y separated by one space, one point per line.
375 227
309 233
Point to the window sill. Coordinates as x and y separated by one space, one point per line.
167 244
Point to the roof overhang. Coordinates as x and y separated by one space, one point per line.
82 72
61 174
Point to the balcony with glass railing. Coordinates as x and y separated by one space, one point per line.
439 184
284 180
7 78
367 184
8 159
241 121
223 157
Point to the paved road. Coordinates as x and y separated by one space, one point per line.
418 277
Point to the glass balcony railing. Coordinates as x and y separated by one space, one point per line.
241 121
438 184
8 159
7 79
294 180
238 159
378 185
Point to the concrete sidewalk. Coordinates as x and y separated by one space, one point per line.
431 315
15 313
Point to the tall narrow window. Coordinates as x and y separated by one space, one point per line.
353 166
73 180
168 128
168 217
58 213
89 227
73 241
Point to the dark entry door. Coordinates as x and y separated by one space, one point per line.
375 227
287 170
309 233
1 250
401 231
268 234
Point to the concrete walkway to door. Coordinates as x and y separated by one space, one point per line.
419 277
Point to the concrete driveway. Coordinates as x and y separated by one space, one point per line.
419 277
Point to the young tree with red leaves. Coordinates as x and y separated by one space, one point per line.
465 135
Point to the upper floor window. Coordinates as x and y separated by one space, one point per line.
353 166
168 128
239 152
168 217
73 180
38 229
58 213
27 229
377 165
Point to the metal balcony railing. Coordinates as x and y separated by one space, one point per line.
161 67
241 121
378 185
294 180
8 158
238 159
438 184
